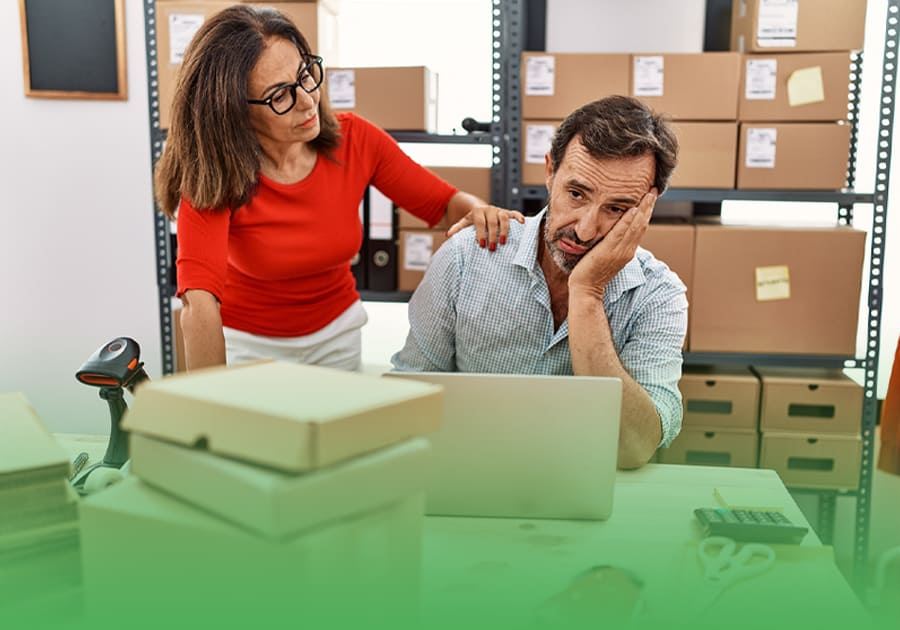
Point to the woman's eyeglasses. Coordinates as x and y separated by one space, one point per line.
283 97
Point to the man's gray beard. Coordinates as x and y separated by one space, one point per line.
562 260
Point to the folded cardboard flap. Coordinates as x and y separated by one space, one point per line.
286 416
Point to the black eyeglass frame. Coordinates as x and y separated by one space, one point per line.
310 60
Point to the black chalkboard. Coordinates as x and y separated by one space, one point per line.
74 48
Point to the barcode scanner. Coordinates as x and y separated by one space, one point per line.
115 367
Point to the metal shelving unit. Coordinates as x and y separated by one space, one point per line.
510 30
516 14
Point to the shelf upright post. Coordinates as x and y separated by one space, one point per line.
876 283
161 225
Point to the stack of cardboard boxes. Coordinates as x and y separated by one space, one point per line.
697 90
803 423
796 69
265 493
721 416
40 578
810 424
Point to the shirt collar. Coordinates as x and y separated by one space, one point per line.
631 275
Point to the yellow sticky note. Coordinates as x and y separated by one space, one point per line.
773 283
805 86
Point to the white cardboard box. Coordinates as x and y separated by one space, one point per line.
276 504
283 415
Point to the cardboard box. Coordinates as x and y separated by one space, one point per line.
797 86
282 415
556 84
416 249
397 99
801 26
473 180
706 155
712 448
793 156
719 398
537 136
673 243
178 20
824 461
192 565
809 401
776 290
278 505
688 86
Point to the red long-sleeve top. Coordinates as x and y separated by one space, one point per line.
280 265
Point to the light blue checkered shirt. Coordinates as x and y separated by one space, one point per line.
482 311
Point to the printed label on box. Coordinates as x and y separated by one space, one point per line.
417 250
806 86
761 79
777 23
538 139
182 28
342 88
648 76
761 143
773 283
381 216
540 75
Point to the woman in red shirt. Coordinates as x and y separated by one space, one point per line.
266 183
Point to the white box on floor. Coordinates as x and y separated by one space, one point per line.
151 557
276 504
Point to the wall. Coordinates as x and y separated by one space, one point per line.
77 262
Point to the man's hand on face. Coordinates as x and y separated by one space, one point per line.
601 264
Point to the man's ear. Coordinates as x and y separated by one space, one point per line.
548 171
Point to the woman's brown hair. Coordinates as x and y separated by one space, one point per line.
212 156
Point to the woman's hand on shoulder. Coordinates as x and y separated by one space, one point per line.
491 224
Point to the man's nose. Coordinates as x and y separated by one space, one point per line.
588 227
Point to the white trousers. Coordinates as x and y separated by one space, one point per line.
337 345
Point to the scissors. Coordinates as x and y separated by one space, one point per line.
725 565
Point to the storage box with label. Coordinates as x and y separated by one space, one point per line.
556 84
396 99
178 20
717 398
776 290
150 556
537 137
793 156
282 415
706 155
797 86
809 401
824 461
797 25
416 249
712 448
473 180
688 86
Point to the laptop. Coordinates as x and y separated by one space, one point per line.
524 446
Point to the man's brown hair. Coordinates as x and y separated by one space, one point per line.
619 126
212 155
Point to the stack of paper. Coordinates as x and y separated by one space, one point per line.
272 490
39 540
